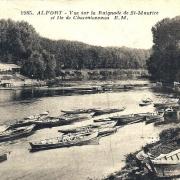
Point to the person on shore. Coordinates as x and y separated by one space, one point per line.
143 159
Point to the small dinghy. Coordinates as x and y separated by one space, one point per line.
145 102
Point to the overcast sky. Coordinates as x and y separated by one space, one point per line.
134 32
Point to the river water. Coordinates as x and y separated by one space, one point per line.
90 161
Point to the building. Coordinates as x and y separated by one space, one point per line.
9 68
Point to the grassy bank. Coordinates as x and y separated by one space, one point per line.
169 141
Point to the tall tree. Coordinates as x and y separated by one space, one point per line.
164 63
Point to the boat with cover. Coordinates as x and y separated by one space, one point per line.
16 133
67 140
168 165
98 112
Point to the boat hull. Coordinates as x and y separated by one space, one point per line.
144 104
87 140
129 119
98 112
14 136
106 131
152 119
166 170
62 120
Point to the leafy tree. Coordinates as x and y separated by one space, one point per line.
164 63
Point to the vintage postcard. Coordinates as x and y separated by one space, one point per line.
89 89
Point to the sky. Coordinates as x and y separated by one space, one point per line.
135 32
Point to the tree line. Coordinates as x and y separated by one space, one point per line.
43 58
164 62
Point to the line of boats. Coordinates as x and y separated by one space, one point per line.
100 126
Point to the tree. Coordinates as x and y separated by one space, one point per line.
164 63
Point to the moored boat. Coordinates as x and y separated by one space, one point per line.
68 140
145 102
106 124
61 120
102 120
154 118
167 104
27 121
16 133
77 111
75 117
98 112
128 119
89 128
168 165
48 122
76 129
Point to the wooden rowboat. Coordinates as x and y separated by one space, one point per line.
90 127
76 139
77 111
98 112
168 165
128 119
16 133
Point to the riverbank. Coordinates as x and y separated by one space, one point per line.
87 86
68 76
169 140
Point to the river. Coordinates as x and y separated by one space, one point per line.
84 162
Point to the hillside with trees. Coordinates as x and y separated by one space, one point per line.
43 58
164 62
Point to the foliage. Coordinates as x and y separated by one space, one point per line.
164 62
43 58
